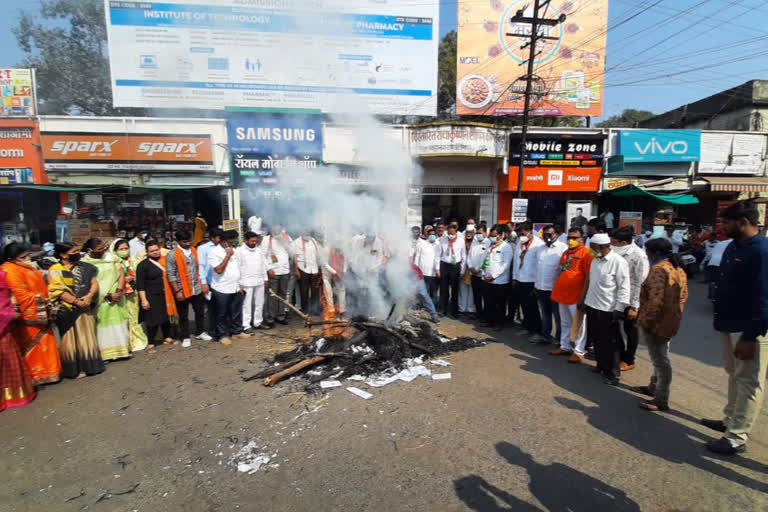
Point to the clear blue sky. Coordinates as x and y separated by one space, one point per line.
675 37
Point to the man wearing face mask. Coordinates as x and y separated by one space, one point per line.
254 267
606 296
623 245
547 269
594 226
495 274
466 299
475 260
453 258
136 244
524 274
574 270
182 267
225 287
306 265
276 248
427 258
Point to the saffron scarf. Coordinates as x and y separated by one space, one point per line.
170 300
186 279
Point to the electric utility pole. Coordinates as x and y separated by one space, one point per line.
536 22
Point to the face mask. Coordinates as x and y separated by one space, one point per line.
479 238
451 237
306 238
96 255
470 227
492 239
573 244
594 253
432 238
549 239
123 254
524 239
74 258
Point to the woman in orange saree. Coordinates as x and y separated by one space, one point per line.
32 331
16 388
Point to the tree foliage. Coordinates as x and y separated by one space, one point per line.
66 43
446 73
627 119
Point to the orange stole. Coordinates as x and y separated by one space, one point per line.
184 277
170 300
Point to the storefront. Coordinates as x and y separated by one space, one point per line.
460 163
128 174
559 168
27 213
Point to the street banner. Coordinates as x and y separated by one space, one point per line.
129 153
568 69
276 54
17 93
475 140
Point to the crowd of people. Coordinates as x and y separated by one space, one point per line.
588 290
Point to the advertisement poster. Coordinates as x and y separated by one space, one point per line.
457 140
634 219
519 210
732 153
16 93
275 54
62 230
578 213
569 68
660 145
21 161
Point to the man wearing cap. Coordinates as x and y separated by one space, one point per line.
606 296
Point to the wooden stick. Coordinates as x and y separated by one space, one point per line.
294 308
271 370
293 369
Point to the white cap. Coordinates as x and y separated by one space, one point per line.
600 239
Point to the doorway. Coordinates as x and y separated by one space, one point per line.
443 208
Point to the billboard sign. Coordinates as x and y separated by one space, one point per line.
274 54
558 150
556 179
17 93
569 68
732 153
660 145
262 145
21 161
457 140
133 152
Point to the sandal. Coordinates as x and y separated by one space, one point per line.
643 390
650 405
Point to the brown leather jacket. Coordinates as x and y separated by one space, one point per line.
662 298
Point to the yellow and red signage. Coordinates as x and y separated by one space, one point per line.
116 152
21 161
553 179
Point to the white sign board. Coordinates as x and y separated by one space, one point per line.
732 153
574 216
457 140
275 54
519 210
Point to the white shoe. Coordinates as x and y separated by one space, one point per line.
205 337
186 343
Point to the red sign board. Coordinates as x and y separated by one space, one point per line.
553 179
21 161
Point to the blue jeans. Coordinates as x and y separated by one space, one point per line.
549 309
426 300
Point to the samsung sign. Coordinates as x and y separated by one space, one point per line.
287 135
660 145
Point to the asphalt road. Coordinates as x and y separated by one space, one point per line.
514 429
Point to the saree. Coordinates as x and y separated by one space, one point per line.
37 342
16 387
137 337
79 347
111 317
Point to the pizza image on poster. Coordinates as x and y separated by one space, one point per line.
568 69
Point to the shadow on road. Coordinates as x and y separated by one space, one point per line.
556 486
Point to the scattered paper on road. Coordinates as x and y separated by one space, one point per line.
440 362
378 381
360 393
441 376
411 373
325 384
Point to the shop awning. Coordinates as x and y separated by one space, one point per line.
738 184
633 191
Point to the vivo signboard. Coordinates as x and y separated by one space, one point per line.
660 145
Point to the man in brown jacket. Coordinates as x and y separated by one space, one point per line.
662 298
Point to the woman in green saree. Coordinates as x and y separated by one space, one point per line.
122 255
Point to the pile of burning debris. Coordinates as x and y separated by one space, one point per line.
360 347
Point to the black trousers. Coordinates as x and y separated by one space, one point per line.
449 280
275 309
512 301
151 332
478 291
210 314
602 331
530 303
310 287
229 314
198 306
629 345
432 283
495 304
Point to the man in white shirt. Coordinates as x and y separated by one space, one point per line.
475 260
225 287
466 296
495 273
607 217
427 258
206 273
453 258
254 266
622 244
276 249
136 244
547 258
306 264
524 275
606 297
